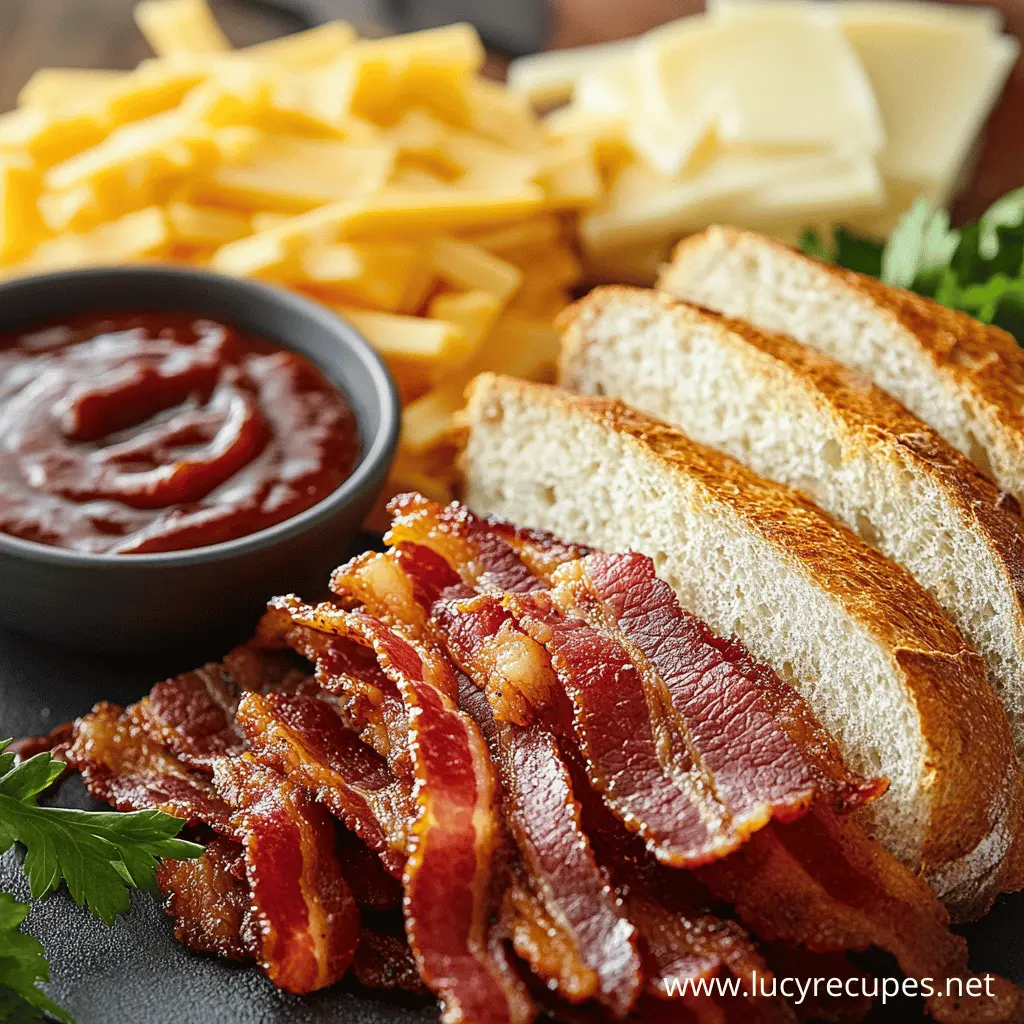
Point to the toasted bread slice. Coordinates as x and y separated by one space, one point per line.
879 662
962 377
798 417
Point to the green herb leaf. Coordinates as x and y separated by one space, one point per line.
99 855
978 269
864 255
811 245
1007 212
22 967
921 242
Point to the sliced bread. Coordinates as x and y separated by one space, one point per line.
962 377
796 416
879 662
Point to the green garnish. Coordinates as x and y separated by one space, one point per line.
22 966
978 269
99 855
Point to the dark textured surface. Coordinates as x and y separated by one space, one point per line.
136 973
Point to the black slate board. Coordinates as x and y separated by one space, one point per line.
136 973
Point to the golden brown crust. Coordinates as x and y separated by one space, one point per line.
982 363
858 407
971 769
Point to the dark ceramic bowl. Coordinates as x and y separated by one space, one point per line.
131 603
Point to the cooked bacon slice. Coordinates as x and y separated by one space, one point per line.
367 700
55 742
546 946
305 739
655 768
375 583
193 715
485 643
483 559
456 830
432 577
208 898
821 882
307 918
375 888
682 939
121 765
540 551
589 950
511 668
666 803
755 741
384 961
814 969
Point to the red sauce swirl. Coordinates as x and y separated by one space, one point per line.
143 432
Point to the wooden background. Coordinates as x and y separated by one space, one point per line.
101 33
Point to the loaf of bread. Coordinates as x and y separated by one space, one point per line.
879 662
798 417
962 377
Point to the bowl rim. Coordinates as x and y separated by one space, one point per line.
376 457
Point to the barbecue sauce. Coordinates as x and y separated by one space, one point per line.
145 432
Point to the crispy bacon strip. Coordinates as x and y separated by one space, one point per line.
679 819
305 739
681 938
375 583
208 898
540 551
456 830
698 751
820 881
55 742
546 946
376 889
384 961
367 700
593 943
483 560
193 715
753 740
511 668
484 642
307 918
121 765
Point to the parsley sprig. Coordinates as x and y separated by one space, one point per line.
99 855
22 966
978 268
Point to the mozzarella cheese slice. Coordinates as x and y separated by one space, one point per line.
771 74
936 78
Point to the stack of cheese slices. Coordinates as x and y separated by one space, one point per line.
778 114
833 476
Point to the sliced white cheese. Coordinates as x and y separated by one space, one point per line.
738 189
824 187
611 88
771 74
936 80
921 12
549 78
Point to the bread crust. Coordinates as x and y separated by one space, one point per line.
982 365
970 771
866 415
